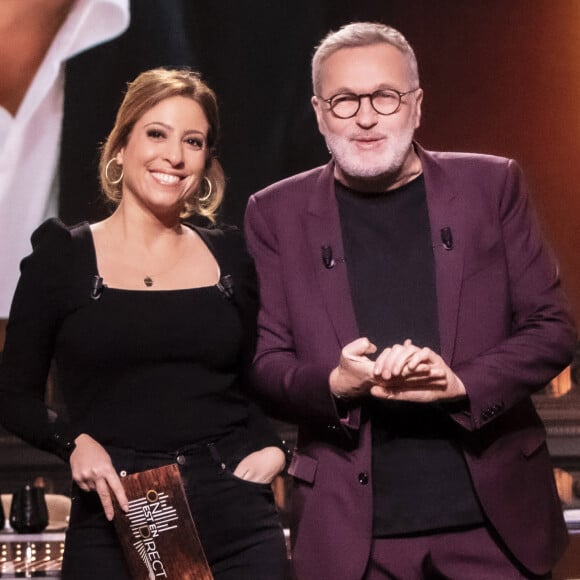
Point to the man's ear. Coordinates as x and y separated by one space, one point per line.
418 103
316 105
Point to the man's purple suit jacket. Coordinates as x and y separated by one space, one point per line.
504 329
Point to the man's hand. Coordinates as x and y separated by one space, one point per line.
406 372
92 470
353 376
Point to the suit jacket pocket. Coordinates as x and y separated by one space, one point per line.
303 467
533 443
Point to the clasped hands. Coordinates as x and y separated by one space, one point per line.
93 470
402 372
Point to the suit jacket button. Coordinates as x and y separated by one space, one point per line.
363 478
180 459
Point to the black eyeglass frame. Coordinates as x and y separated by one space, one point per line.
371 96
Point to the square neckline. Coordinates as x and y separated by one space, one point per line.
95 266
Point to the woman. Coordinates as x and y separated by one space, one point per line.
150 324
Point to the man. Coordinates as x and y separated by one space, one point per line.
409 311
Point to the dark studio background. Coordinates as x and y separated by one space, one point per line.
500 77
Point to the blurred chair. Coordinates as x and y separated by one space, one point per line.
6 501
58 510
58 506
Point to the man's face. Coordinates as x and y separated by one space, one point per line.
368 148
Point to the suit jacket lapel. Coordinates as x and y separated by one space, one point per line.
445 211
322 228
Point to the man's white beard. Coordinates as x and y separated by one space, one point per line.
388 160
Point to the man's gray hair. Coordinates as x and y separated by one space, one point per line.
362 34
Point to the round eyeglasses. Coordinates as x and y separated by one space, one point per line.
383 101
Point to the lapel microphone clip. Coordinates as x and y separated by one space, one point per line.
226 286
96 287
327 258
447 238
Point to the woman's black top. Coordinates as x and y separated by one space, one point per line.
149 370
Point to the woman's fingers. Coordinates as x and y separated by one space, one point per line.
93 470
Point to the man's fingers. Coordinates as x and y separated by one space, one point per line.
381 393
392 360
420 371
423 356
359 347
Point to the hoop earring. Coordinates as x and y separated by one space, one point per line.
111 181
206 197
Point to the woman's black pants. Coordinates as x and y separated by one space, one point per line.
237 521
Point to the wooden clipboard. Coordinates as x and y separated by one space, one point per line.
158 534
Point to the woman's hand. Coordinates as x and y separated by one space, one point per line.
261 466
92 470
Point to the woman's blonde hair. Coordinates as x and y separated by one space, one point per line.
145 92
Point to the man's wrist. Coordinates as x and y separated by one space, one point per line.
333 381
342 396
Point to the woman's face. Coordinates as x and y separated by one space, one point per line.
165 155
